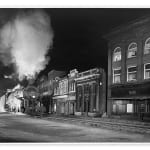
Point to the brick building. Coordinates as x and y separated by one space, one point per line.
129 69
91 92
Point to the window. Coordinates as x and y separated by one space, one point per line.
117 75
132 50
147 46
132 73
146 71
117 54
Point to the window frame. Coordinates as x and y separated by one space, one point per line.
115 52
118 68
145 70
131 50
148 39
130 72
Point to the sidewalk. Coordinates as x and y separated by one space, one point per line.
108 123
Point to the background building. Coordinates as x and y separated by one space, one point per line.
61 95
91 92
129 69
51 81
72 91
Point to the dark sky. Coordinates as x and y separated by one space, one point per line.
78 41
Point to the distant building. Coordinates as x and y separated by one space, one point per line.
91 92
65 94
72 91
61 95
129 69
46 89
51 81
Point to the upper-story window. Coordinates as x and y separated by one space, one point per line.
132 73
147 46
117 75
147 71
132 50
117 54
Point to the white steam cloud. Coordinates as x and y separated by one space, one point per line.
25 41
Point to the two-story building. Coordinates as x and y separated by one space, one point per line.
61 95
72 91
51 83
91 92
129 69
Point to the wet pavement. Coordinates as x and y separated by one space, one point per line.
22 128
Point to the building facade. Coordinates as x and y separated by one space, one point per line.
61 95
51 82
129 69
72 91
91 93
44 95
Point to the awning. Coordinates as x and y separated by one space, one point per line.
71 98
129 98
60 96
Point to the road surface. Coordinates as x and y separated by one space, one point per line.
22 128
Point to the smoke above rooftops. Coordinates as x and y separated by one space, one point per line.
25 40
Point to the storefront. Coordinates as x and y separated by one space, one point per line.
131 101
71 104
61 104
91 93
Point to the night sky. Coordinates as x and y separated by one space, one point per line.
78 37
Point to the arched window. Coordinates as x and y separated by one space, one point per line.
117 54
147 46
132 50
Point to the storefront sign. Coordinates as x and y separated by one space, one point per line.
133 92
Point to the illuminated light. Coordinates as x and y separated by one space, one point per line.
33 96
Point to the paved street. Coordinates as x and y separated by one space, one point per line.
21 128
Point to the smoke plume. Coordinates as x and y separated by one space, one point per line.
25 41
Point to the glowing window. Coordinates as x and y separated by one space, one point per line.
132 73
132 50
117 75
147 71
117 54
147 46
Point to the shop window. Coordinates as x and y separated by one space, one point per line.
132 73
117 54
119 107
146 71
122 107
132 50
147 46
129 108
117 75
114 108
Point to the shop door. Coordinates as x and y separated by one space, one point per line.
62 108
71 108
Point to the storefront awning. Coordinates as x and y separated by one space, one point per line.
129 98
60 96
